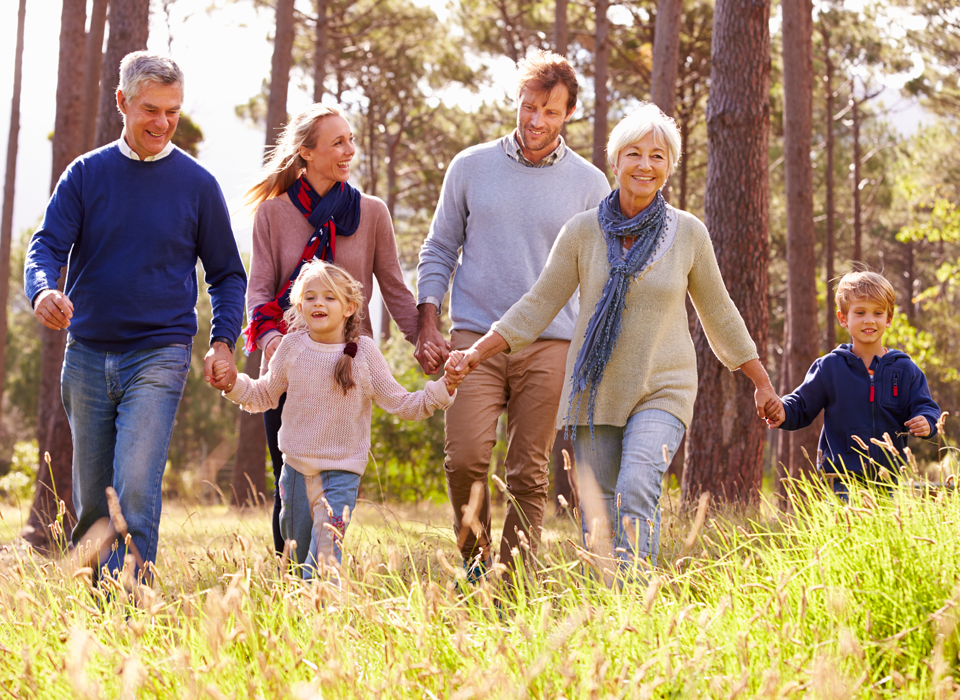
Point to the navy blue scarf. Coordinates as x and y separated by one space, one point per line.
337 213
648 229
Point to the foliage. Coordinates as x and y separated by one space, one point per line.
853 601
18 482
407 456
188 135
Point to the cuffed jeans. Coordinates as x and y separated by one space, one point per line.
312 511
622 477
121 407
527 385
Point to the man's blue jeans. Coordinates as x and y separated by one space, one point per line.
627 465
121 407
312 513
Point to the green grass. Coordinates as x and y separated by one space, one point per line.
831 602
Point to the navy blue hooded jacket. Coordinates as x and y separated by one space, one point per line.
854 403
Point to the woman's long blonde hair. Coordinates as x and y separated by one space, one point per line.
285 163
348 291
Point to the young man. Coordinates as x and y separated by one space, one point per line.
132 218
864 389
502 206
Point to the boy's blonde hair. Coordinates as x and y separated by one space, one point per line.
865 284
348 291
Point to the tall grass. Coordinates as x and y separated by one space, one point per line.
834 601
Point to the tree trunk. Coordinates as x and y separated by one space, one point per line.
250 464
666 54
55 482
129 29
560 28
601 59
830 233
280 70
857 224
725 441
801 321
320 51
93 66
10 177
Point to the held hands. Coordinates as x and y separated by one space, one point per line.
918 426
432 350
769 406
219 369
53 309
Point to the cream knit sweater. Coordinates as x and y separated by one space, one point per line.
323 429
654 364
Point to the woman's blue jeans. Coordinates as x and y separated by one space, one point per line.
121 407
319 517
627 464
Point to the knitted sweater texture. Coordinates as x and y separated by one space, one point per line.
494 226
654 364
133 232
323 428
280 233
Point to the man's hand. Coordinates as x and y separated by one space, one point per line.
918 426
432 350
220 352
53 309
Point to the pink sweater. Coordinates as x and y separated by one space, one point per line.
280 233
323 429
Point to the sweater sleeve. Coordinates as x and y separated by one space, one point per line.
259 395
50 246
222 267
393 398
264 269
386 267
921 403
441 250
528 318
804 404
724 327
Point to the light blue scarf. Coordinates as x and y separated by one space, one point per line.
648 228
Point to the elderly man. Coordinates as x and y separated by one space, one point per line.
131 219
502 205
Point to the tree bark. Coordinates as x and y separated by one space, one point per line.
280 70
10 177
857 216
320 51
94 64
601 60
724 446
129 29
666 54
561 30
250 464
55 481
801 321
830 233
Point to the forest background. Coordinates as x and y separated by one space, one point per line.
835 174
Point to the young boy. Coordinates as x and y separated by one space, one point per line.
863 388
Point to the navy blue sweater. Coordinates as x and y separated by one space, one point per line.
854 403
136 230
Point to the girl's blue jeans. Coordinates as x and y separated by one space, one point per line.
627 465
313 509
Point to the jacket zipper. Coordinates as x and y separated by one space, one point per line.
896 377
873 411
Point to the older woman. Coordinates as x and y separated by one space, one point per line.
306 209
632 367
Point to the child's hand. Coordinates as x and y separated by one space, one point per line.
220 369
451 377
918 426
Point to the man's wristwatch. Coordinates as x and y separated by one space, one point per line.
222 339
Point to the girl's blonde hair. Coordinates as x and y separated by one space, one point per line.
348 291
285 163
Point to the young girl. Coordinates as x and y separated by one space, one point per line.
331 375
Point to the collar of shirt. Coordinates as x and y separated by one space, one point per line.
512 148
132 154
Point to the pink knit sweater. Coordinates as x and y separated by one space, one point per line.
280 233
323 429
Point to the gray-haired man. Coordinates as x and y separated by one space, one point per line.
131 219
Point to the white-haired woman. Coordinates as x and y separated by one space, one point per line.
305 210
632 367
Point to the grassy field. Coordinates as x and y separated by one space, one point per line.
834 602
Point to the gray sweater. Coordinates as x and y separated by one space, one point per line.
494 226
